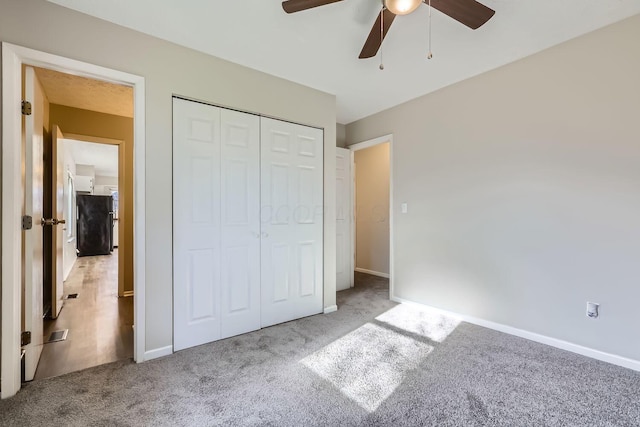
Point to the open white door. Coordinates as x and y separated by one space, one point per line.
344 219
57 209
33 206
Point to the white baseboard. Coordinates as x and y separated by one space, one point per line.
330 309
373 273
158 352
532 336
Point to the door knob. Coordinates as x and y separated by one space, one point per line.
52 221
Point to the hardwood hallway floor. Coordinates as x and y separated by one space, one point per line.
99 323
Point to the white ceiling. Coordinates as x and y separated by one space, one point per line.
320 47
103 157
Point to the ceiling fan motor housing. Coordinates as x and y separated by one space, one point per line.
401 7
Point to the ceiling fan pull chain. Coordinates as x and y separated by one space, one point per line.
430 54
382 36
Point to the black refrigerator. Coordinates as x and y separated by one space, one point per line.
95 225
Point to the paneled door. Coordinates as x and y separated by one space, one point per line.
292 221
33 261
344 219
240 233
247 222
196 224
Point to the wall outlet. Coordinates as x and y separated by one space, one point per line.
592 309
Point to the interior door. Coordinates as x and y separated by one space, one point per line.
57 221
344 219
292 221
240 232
33 206
196 224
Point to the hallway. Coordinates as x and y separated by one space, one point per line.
99 323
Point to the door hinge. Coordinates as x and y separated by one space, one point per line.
25 338
27 222
26 108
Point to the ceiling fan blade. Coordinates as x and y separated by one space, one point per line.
374 41
467 12
292 6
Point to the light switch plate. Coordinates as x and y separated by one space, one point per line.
404 208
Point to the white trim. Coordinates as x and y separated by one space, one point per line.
330 309
13 57
352 212
371 142
361 146
532 336
139 213
158 352
373 273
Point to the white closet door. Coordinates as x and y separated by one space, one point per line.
292 221
344 217
240 266
196 223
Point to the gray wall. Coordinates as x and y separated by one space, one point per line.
168 70
523 189
372 208
341 135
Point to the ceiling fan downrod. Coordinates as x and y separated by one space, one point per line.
382 34
430 54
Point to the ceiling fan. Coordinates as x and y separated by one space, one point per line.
468 12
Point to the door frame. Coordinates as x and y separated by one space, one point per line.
361 146
13 57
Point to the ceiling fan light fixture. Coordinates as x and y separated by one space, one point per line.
402 7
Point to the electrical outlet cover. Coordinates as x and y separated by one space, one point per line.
592 309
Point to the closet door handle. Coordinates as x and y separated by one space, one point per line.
265 234
256 235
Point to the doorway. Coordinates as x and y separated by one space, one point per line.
16 316
95 325
84 323
364 212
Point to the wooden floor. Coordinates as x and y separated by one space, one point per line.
99 323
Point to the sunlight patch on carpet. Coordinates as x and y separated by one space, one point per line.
368 364
423 321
